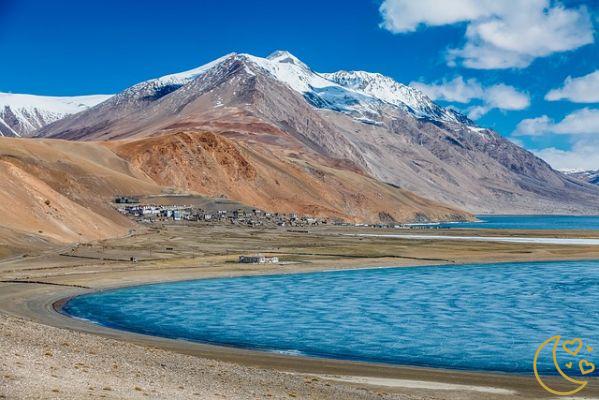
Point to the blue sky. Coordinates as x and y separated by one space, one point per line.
495 60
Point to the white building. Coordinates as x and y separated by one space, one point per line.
258 259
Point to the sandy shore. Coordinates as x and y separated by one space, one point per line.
48 355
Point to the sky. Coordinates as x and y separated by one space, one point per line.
526 68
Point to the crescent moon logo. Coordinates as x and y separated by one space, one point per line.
556 341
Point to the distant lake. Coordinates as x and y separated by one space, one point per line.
478 317
558 222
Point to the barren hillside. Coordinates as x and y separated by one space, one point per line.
272 179
58 191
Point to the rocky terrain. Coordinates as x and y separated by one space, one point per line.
274 179
358 121
77 366
21 114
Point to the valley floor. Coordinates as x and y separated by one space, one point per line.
48 355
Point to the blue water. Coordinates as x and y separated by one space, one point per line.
563 222
479 317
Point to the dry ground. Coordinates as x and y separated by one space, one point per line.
41 361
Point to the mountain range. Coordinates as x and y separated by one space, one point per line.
271 133
22 114
364 121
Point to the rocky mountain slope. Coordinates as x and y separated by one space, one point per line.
56 191
22 114
591 177
280 180
358 121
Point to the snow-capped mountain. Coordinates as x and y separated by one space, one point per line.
591 177
362 95
363 121
23 114
388 90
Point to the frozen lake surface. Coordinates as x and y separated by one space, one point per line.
476 317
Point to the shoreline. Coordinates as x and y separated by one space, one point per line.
343 370
58 306
41 303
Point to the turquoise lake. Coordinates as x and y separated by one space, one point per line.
476 317
563 222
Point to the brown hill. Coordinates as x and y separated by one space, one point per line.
272 178
58 191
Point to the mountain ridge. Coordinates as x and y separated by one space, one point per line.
22 114
424 148
317 88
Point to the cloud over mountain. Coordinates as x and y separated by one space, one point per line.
582 156
581 122
499 96
582 128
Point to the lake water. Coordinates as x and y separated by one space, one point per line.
562 222
480 317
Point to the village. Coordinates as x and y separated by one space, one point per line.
248 217
149 214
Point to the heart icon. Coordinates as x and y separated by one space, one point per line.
569 364
586 367
573 346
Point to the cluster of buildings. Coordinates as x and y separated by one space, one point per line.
148 213
151 213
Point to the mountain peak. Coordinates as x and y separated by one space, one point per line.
375 125
359 94
283 56
390 91
186 76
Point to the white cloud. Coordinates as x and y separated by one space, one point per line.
401 16
534 126
584 89
506 97
580 122
476 112
584 155
499 34
458 90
